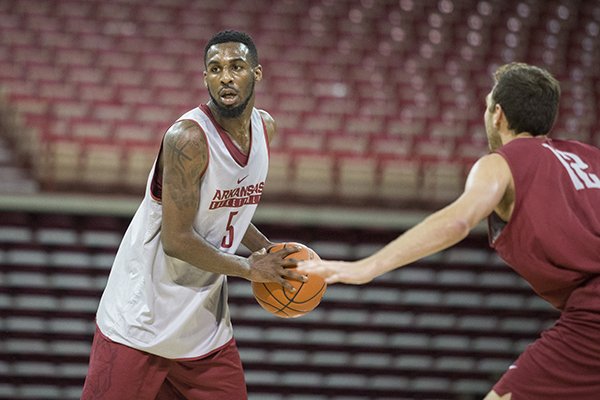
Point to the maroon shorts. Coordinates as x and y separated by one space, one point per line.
121 372
565 362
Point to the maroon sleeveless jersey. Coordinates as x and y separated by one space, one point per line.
553 237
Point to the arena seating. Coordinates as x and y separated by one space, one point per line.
378 103
444 328
94 84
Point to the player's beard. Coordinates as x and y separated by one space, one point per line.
491 132
236 111
494 139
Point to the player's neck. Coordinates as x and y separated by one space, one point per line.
238 128
510 136
232 124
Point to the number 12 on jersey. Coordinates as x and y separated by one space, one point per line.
576 167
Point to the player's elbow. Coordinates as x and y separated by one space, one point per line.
458 229
173 246
446 228
170 248
455 222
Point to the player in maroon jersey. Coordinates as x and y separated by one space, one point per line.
542 200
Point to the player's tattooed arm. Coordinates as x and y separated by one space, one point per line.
185 156
184 160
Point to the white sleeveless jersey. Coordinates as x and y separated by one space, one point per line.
160 304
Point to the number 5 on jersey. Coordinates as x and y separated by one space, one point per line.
227 241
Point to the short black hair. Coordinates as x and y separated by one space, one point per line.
236 37
529 97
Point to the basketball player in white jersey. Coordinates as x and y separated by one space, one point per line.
163 324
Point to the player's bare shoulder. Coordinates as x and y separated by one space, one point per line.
185 148
269 124
492 174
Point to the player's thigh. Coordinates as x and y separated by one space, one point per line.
494 396
118 372
218 376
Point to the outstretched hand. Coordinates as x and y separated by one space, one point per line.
336 271
274 267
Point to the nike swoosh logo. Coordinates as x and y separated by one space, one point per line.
241 180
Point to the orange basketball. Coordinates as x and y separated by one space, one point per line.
283 303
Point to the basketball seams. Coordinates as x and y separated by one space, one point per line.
283 306
290 300
277 309
313 296
283 310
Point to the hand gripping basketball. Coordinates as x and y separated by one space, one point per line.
284 303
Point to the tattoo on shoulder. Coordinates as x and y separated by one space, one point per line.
185 158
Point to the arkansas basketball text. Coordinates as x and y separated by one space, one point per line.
237 197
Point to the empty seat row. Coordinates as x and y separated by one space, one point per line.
77 71
431 330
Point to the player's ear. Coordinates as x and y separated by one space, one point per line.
498 115
258 72
204 78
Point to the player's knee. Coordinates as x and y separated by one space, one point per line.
494 396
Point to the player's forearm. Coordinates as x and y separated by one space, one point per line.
254 240
196 251
437 232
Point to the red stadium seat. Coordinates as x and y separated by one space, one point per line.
357 177
378 103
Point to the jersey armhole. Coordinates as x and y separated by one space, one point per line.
267 142
156 182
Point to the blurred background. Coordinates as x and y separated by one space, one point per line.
380 108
